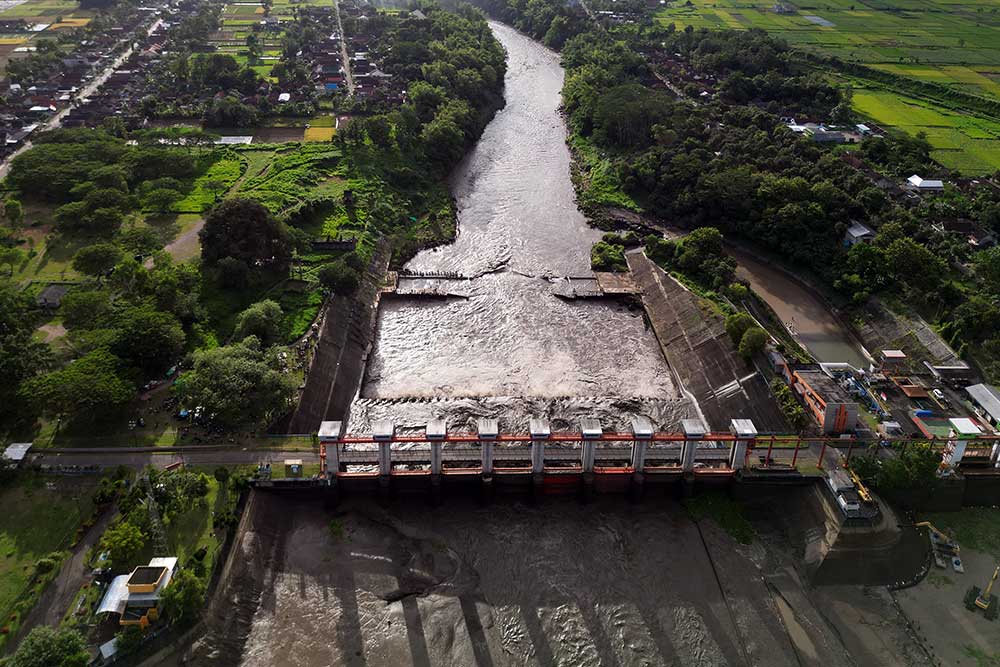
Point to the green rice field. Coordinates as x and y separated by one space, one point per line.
963 143
952 43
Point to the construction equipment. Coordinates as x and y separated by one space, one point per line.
862 489
943 549
984 599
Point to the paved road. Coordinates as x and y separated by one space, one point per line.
160 457
343 52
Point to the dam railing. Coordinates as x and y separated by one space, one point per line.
591 450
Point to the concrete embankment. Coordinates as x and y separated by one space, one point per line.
345 340
704 361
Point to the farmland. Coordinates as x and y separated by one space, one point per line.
46 18
953 44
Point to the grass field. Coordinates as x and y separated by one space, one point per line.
955 44
37 521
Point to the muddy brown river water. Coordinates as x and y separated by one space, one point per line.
513 349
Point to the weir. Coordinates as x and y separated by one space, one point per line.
589 459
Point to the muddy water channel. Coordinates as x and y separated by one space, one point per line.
802 312
512 347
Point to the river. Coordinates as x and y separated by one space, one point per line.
513 349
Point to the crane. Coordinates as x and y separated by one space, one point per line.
985 599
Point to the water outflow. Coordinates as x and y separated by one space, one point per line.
512 346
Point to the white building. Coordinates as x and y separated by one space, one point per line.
924 184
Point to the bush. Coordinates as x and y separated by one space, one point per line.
737 324
45 565
130 639
752 343
339 278
608 257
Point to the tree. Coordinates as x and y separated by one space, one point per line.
11 256
123 542
221 475
21 356
914 264
263 319
85 309
245 230
737 324
183 597
987 265
148 339
238 384
339 278
161 200
753 342
89 386
97 259
47 647
14 212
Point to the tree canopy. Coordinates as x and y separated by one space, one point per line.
238 384
47 647
244 230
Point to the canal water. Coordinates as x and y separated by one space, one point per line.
512 348
801 311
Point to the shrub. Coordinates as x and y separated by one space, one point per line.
752 343
737 324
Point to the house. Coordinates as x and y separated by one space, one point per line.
918 184
51 296
821 135
134 597
986 399
858 233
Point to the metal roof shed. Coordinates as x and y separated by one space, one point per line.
16 452
986 397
